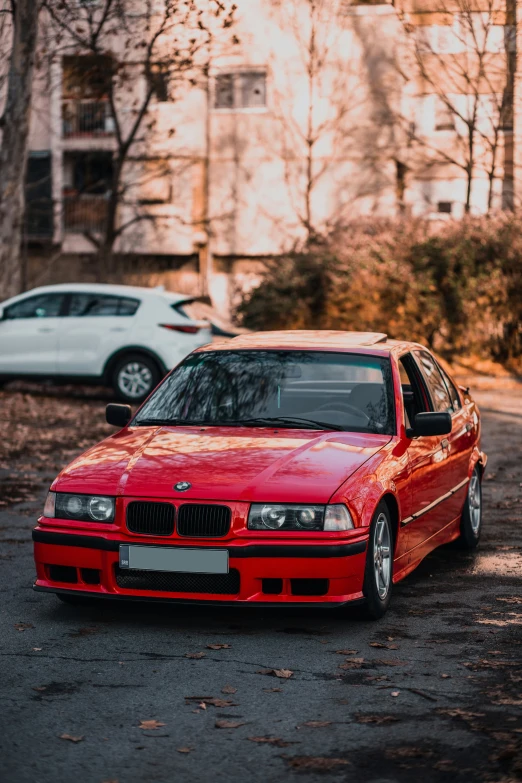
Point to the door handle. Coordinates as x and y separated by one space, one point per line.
45 330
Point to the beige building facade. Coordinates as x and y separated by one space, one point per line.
320 113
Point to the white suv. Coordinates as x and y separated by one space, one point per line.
120 336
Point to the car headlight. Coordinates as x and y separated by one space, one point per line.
275 516
83 508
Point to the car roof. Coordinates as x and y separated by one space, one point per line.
354 342
107 288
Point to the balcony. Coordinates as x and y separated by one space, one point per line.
84 214
86 118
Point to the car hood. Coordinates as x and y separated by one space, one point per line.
221 463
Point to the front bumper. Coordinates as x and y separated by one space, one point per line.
90 564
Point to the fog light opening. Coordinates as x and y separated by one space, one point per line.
272 586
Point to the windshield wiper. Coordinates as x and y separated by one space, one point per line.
157 422
291 420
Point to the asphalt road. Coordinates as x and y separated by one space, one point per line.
433 692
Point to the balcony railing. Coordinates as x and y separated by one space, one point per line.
84 214
86 118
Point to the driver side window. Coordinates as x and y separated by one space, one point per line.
412 393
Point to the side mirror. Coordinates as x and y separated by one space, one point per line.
426 424
118 415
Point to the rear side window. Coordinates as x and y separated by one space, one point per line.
435 382
454 395
42 306
102 305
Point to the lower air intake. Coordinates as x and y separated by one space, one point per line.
309 586
164 582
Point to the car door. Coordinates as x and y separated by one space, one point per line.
451 473
29 333
430 475
97 325
464 430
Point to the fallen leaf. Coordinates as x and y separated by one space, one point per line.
84 632
40 688
23 626
70 738
377 719
150 725
395 693
347 652
352 663
204 700
184 750
284 674
390 662
315 762
446 676
37 649
195 655
279 743
458 713
219 646
228 689
382 646
228 724
315 724
273 690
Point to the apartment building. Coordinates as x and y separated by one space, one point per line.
318 114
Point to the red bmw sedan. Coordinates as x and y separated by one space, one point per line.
278 468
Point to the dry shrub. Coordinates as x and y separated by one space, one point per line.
457 289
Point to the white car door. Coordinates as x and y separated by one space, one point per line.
96 326
29 333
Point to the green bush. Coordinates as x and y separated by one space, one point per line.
457 289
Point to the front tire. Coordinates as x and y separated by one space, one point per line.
471 520
134 377
378 575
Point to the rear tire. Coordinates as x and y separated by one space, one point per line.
133 378
378 575
471 520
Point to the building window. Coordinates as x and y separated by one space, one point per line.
444 117
87 179
159 82
241 90
87 89
445 207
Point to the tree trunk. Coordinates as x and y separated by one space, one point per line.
106 249
13 152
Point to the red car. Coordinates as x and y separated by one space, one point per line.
279 468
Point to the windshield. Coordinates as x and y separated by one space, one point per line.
310 389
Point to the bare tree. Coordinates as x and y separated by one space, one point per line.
145 48
334 134
468 63
22 30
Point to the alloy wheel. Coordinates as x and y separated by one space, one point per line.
475 503
135 380
382 556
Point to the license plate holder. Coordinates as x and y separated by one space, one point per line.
174 559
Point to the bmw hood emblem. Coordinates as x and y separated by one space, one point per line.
182 486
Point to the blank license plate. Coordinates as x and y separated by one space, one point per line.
185 561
